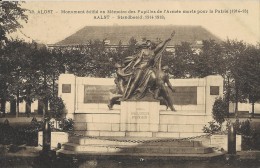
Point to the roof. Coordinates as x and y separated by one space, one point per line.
114 34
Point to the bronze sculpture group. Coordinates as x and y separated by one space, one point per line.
142 74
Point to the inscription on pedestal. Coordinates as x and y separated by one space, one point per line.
97 93
184 95
140 115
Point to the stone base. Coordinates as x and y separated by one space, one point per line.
137 114
140 118
135 145
138 134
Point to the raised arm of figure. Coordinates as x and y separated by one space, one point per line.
162 45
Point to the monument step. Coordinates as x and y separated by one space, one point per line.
145 156
145 134
136 149
126 141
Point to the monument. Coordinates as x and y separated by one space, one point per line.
142 76
140 84
136 108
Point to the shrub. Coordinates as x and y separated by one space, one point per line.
243 127
22 134
212 128
56 107
7 133
248 134
219 110
67 124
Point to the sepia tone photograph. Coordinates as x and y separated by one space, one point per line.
130 84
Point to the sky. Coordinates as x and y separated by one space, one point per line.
50 27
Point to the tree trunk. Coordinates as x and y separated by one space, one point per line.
228 97
3 99
3 107
45 106
28 107
53 85
13 107
40 107
17 94
253 108
17 102
236 101
45 99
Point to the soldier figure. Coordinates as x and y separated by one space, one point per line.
120 81
161 91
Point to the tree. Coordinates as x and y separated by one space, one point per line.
250 74
5 78
19 74
11 71
209 61
118 54
94 59
42 64
234 55
30 75
131 50
101 57
181 63
90 60
10 16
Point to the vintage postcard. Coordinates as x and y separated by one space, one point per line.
115 83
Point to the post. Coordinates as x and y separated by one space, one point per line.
7 131
231 139
47 156
253 109
6 123
228 97
46 133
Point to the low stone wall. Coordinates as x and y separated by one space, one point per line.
221 142
56 139
19 120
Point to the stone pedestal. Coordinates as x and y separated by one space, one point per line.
139 116
86 101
